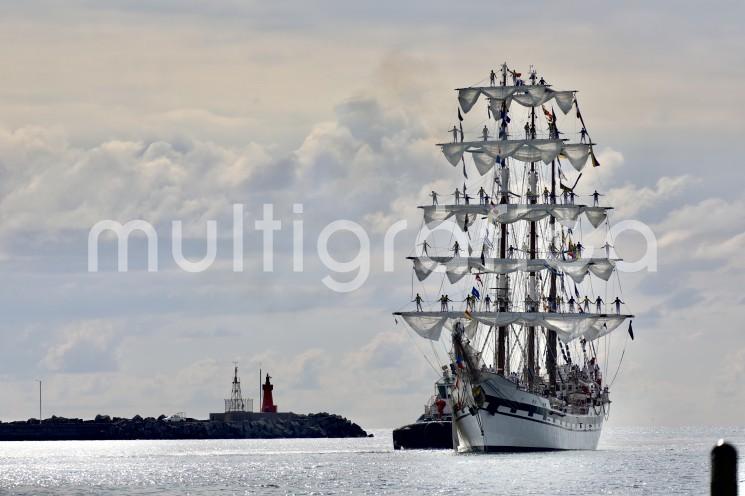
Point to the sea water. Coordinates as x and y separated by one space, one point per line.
661 461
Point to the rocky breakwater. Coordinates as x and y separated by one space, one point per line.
250 426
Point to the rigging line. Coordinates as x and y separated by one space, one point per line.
486 342
434 351
477 83
412 251
592 349
421 352
443 275
512 350
606 345
620 291
620 361
444 352
412 283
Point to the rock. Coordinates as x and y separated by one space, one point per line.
102 419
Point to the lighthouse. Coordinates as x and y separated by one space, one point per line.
267 404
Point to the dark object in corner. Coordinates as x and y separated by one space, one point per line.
723 470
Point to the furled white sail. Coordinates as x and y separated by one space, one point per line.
457 267
483 161
484 153
568 326
525 95
578 269
567 215
577 153
454 152
467 98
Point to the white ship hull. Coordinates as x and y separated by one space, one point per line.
510 419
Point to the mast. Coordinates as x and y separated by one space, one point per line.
503 288
532 294
551 335
504 279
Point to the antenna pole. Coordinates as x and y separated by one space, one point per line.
39 381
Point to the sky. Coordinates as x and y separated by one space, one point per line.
169 110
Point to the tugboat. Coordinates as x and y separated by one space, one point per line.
434 428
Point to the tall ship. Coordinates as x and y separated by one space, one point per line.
521 274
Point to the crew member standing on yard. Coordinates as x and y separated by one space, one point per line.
485 133
444 303
418 301
586 303
596 198
482 196
515 78
492 78
455 134
457 196
617 302
425 247
456 248
470 302
487 303
434 198
598 302
607 246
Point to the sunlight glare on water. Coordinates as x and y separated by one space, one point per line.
629 461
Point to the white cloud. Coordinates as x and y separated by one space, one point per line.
88 346
631 199
52 186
